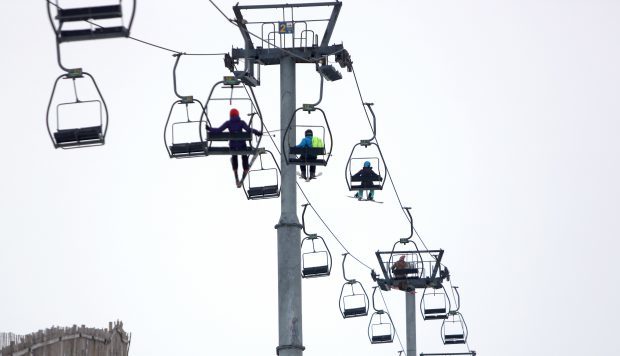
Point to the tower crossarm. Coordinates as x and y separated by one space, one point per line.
272 56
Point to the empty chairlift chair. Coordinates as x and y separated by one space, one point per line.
454 329
215 139
315 262
76 23
182 134
76 122
434 304
353 297
353 300
360 177
316 259
183 131
380 328
263 182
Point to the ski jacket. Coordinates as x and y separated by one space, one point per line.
398 267
367 175
306 142
311 141
234 125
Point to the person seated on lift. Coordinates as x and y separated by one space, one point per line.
309 141
399 270
236 125
367 176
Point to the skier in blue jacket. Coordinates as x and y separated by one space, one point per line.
307 141
367 178
236 125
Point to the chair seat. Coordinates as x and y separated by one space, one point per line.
435 314
312 271
435 317
381 338
229 136
402 272
270 190
355 312
222 151
94 34
366 186
89 13
454 339
307 162
188 149
83 135
311 151
362 179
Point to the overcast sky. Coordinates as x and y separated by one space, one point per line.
498 120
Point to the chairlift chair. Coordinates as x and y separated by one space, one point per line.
403 266
434 304
316 259
380 328
356 183
73 136
329 72
263 191
64 16
353 297
380 331
454 329
408 270
176 146
304 156
315 262
232 83
355 302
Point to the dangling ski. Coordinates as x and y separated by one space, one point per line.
362 199
307 179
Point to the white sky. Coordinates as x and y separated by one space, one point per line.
497 119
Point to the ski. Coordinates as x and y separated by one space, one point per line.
308 178
362 199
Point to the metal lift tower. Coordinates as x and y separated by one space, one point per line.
421 270
411 327
286 43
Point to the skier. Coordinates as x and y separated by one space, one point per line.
309 141
398 268
366 176
236 125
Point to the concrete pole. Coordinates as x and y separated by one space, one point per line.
411 330
289 231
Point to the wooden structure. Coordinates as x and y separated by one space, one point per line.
69 341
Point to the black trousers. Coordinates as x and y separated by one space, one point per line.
244 162
303 170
